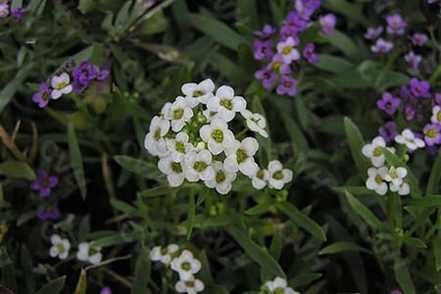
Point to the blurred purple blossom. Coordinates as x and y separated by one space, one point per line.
396 25
388 103
44 183
373 32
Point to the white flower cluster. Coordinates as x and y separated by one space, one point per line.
277 286
184 263
381 177
194 140
87 252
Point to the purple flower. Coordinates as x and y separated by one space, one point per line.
373 33
287 85
263 49
102 74
405 91
419 88
388 131
42 96
432 134
395 24
382 46
438 98
309 53
266 32
413 60
293 25
388 103
83 75
409 112
4 9
419 39
279 66
44 183
328 22
287 51
106 290
396 292
306 8
17 13
49 213
267 76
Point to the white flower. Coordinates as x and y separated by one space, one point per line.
173 170
277 175
178 113
255 122
260 179
88 252
376 180
408 138
279 286
163 254
4 9
240 157
225 104
222 180
186 265
191 286
198 93
60 247
179 146
436 114
217 136
154 141
287 50
165 109
396 175
374 151
61 85
403 189
197 166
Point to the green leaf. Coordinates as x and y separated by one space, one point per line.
403 278
431 201
255 252
304 279
142 273
8 91
364 212
356 143
86 6
435 176
82 283
217 30
137 166
122 206
117 238
157 191
302 220
17 169
76 159
342 246
345 44
353 11
333 64
53 287
436 246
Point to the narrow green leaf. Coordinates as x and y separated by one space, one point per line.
304 279
302 220
436 246
137 166
353 11
333 64
82 283
345 44
53 287
157 191
339 247
356 143
255 252
17 169
364 212
435 176
142 273
76 160
431 201
403 278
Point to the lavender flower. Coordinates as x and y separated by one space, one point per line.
279 66
309 53
373 33
432 134
382 46
263 49
106 290
395 24
4 9
328 23
287 85
409 112
42 96
295 22
389 131
419 88
49 213
44 183
388 103
102 74
83 75
419 39
287 51
266 32
438 98
17 13
306 8
267 76
413 60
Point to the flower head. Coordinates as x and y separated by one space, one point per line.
164 254
217 135
197 166
240 157
255 122
277 175
17 13
60 247
266 32
396 25
190 286
388 103
388 131
419 39
267 76
49 213
407 137
309 53
106 290
373 32
85 73
382 46
198 93
376 180
260 179
278 286
89 252
374 151
154 140
306 8
432 134
44 183
288 51
42 96
60 85
4 9
419 88
287 86
226 104
327 23
179 113
173 170
413 60
186 265
263 49
279 66
223 179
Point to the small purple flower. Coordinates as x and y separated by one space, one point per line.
106 290
306 8
396 25
4 9
42 96
309 53
288 86
44 183
267 76
388 131
382 46
102 74
413 60
438 98
17 13
405 92
432 134
287 51
388 103
373 33
419 39
266 32
328 22
83 75
409 112
49 213
419 88
295 22
263 49
279 66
